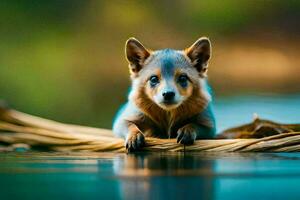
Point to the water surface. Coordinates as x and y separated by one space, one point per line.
150 176
233 110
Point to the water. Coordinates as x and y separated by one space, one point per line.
150 176
232 111
49 175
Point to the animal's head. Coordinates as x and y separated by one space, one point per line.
168 77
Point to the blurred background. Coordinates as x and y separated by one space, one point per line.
64 59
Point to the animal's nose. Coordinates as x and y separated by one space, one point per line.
168 96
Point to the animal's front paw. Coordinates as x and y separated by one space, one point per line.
186 135
134 141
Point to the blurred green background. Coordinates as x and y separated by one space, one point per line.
64 59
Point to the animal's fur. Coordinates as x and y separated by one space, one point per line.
148 113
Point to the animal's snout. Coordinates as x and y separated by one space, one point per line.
169 95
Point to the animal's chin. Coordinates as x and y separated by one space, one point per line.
169 105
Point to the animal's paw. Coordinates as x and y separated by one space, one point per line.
134 141
186 135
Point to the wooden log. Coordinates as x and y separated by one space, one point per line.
259 136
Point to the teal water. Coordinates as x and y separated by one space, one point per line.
231 111
49 175
150 176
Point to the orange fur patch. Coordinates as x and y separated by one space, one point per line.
186 92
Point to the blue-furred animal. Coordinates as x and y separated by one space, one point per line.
169 96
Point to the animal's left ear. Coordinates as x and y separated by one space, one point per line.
199 54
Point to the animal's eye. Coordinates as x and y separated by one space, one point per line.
154 80
182 80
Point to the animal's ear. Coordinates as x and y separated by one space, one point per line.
136 54
199 54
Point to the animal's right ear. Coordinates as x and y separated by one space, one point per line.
136 54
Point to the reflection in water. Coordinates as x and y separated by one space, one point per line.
165 176
149 176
